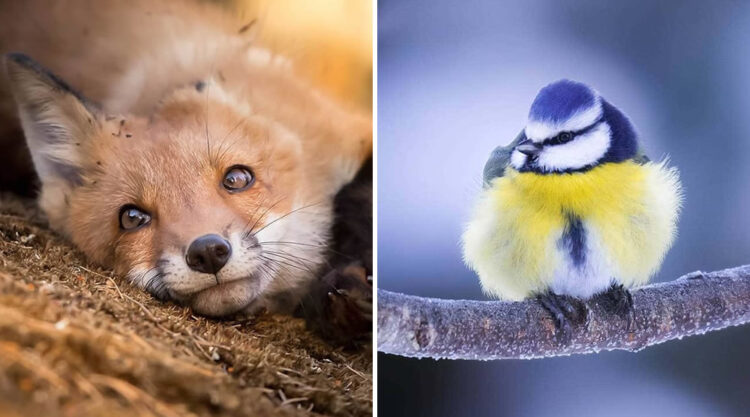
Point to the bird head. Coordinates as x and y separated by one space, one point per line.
571 128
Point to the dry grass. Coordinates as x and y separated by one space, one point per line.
74 340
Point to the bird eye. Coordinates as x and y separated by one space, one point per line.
565 137
238 178
132 217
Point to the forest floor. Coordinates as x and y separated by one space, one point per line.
76 340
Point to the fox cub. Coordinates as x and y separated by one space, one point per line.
172 149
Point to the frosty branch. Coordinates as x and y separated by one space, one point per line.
457 329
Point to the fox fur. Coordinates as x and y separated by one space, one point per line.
149 103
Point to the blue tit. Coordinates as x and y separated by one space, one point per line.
572 207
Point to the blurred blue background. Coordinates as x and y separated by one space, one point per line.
456 79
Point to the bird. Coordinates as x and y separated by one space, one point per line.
572 208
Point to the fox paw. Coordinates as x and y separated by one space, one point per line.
339 306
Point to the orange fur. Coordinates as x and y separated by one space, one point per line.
158 142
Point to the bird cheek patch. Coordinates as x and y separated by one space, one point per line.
517 159
583 151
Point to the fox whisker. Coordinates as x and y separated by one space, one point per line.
286 262
291 259
255 212
223 151
205 119
324 246
297 210
271 271
258 219
293 256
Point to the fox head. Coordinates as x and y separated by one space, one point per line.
202 201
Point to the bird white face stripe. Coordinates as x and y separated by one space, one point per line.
582 151
517 159
539 130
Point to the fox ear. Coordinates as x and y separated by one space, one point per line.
56 120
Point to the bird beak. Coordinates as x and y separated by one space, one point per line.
528 148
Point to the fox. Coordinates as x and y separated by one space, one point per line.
173 149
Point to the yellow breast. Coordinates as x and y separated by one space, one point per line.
513 236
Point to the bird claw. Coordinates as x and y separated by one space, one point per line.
619 301
566 311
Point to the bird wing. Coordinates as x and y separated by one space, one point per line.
641 157
499 160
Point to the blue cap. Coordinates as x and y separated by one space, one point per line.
560 100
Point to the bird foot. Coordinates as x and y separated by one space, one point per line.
565 310
619 301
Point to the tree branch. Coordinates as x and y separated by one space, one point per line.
459 329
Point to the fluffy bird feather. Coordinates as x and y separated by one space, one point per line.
570 226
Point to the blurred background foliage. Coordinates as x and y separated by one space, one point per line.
456 79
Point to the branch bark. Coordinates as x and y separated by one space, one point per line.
459 329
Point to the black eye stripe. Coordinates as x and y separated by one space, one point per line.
555 140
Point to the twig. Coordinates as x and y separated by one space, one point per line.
356 372
201 350
136 302
458 329
197 340
93 272
143 308
87 387
11 353
294 400
291 371
16 244
142 401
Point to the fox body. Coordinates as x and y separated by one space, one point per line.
165 109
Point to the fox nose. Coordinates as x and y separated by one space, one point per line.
208 254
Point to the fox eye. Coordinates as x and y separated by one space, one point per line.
131 217
238 178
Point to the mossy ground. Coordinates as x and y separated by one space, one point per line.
76 340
